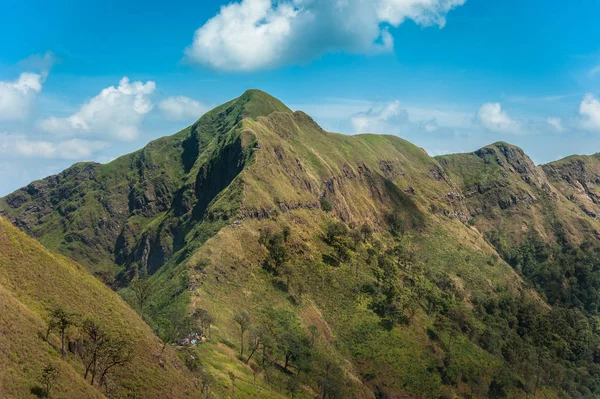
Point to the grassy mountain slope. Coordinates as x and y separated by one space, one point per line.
367 268
33 280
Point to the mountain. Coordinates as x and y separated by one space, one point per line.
136 211
343 266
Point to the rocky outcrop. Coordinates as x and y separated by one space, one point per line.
578 179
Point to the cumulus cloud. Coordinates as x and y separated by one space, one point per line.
495 119
260 34
115 112
73 149
17 97
555 123
589 110
182 108
386 120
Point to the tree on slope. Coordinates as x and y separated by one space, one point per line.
242 318
60 319
143 290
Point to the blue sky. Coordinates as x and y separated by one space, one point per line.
448 75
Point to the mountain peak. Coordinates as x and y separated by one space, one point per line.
504 146
509 157
251 104
256 103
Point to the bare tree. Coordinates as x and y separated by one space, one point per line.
101 352
94 342
242 318
117 352
255 341
256 370
143 289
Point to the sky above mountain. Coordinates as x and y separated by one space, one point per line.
97 80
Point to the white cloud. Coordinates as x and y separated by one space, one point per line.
17 97
594 71
589 109
493 118
261 34
182 108
73 149
386 120
555 123
423 12
115 112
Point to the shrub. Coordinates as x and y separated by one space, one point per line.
326 205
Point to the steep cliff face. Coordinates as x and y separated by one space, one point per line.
131 215
83 211
499 176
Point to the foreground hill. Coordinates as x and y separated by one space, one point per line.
340 266
33 281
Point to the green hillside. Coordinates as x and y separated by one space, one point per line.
358 266
32 282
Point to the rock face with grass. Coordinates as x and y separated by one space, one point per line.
366 267
578 179
504 190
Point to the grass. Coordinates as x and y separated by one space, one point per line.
402 359
33 280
